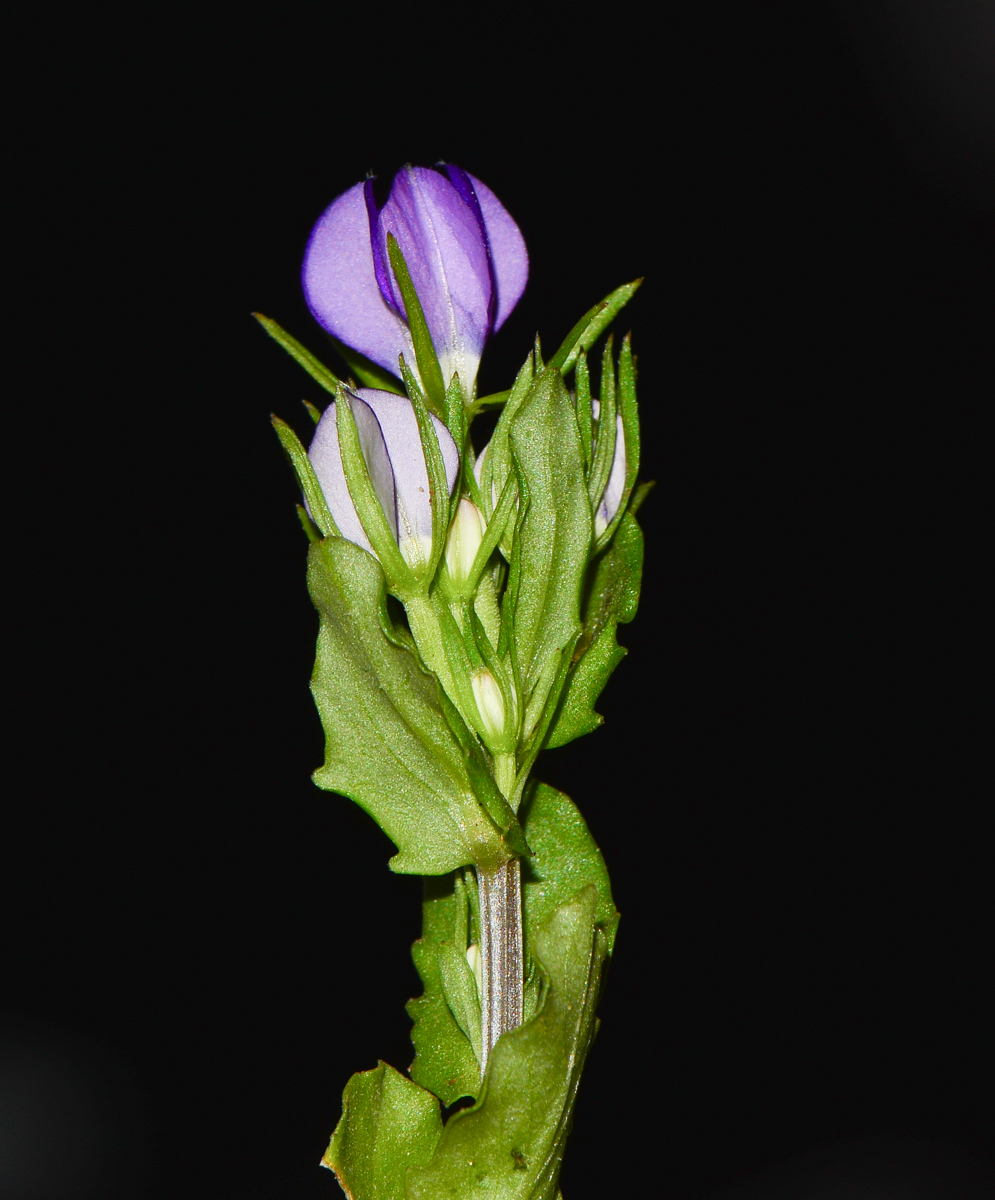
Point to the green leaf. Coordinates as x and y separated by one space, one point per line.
318 371
510 1144
388 744
553 538
591 325
613 587
306 477
575 715
565 857
367 372
425 356
611 597
388 1126
445 1061
460 989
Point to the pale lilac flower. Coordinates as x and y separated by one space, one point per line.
388 436
465 254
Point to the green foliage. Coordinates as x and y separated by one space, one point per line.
388 744
552 540
611 598
509 1146
388 1125
445 1058
563 858
592 325
321 518
538 610
318 371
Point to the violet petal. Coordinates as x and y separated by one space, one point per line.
340 284
446 254
399 427
509 257
326 458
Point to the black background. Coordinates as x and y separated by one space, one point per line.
200 945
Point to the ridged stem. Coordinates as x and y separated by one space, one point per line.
500 891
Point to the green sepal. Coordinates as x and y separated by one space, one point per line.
497 464
371 515
478 769
610 598
311 531
425 356
318 371
493 534
553 538
575 715
591 325
509 1146
438 484
604 448
629 412
367 372
582 402
313 411
306 477
388 744
388 1126
537 738
456 418
494 400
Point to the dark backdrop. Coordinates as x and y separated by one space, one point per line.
200 945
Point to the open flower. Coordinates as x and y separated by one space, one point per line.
391 446
465 255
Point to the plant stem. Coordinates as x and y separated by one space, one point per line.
500 891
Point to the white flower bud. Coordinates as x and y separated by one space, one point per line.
465 536
490 703
476 966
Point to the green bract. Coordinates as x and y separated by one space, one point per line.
435 705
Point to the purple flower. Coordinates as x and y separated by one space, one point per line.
465 255
388 436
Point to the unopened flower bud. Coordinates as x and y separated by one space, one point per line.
490 703
465 537
476 966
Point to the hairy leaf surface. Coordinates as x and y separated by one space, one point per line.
611 598
388 745
510 1145
388 1124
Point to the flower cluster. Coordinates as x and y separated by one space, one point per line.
411 290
